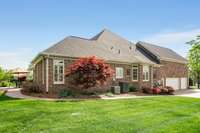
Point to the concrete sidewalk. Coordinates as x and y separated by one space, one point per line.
16 93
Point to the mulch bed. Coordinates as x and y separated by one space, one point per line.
55 96
138 93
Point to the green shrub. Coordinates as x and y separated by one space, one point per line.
132 88
65 93
5 84
2 93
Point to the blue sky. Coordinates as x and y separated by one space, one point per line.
30 26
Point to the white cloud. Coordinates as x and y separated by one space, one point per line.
174 40
15 58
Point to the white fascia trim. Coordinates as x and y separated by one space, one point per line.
173 60
36 59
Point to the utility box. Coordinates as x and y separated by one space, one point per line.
116 89
124 87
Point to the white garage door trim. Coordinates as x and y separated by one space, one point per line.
173 82
184 83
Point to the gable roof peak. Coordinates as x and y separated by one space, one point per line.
100 34
108 36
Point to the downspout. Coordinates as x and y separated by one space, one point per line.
152 76
43 71
47 74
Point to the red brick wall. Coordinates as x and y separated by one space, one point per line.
55 88
141 82
127 77
170 69
38 74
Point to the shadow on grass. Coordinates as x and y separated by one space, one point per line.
3 97
74 100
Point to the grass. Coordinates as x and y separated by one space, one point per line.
165 114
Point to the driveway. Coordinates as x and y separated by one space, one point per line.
195 93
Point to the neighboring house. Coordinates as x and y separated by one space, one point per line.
20 75
141 64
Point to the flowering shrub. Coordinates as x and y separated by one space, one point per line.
89 72
159 90
164 90
156 90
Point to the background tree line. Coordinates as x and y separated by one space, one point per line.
6 78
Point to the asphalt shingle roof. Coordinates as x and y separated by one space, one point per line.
105 45
162 52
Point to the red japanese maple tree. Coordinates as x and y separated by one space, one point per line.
88 72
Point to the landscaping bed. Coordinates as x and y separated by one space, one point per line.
57 96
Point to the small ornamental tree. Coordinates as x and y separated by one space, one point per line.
89 72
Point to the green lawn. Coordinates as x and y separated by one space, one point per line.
148 115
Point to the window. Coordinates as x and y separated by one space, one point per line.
58 69
135 73
119 72
145 73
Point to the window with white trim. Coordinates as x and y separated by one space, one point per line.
119 72
145 73
135 73
58 71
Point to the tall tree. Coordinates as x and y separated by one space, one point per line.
194 59
5 75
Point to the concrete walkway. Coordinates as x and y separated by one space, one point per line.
15 93
123 96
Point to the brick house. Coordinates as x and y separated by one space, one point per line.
141 64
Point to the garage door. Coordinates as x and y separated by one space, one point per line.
173 82
183 83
